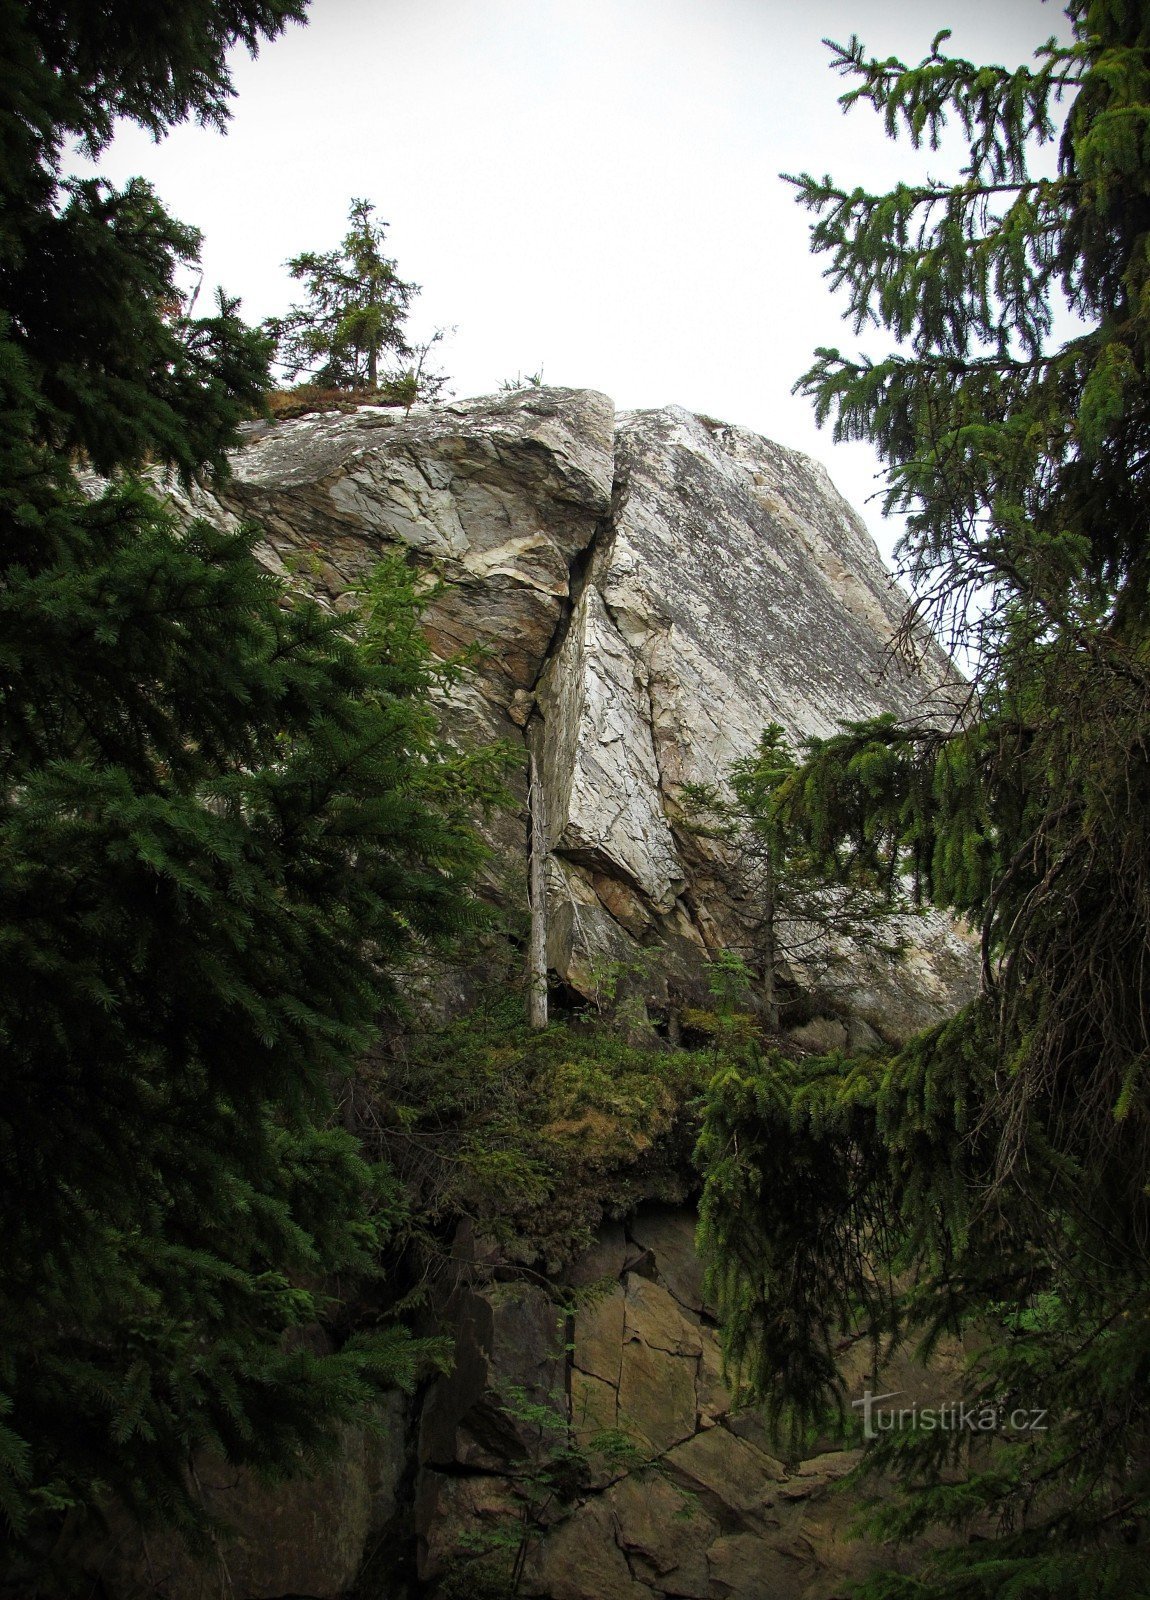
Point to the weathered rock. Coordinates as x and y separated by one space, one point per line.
679 1495
509 1360
594 1411
669 1233
729 1473
712 1397
656 1396
492 500
743 1566
604 806
647 591
653 1317
457 1519
603 1262
820 1034
665 1533
581 1559
599 1337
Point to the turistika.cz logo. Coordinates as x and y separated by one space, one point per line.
954 1416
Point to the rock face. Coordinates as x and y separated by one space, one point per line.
625 1471
647 591
308 1536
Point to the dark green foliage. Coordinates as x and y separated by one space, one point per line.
851 1198
1018 459
784 1269
224 817
993 1177
533 1135
811 902
353 319
87 273
224 820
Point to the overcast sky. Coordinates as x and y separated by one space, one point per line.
586 186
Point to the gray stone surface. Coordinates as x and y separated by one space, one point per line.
647 591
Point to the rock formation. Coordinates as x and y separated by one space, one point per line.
671 1490
648 590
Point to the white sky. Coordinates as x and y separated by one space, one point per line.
590 186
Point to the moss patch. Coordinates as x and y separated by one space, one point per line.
534 1136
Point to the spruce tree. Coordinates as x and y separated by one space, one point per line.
224 818
801 912
992 1177
352 320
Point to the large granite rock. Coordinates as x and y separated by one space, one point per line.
647 591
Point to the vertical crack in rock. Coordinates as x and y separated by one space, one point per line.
537 894
546 788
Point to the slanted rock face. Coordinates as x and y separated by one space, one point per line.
749 590
648 591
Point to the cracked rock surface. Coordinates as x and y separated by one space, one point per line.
647 590
692 1500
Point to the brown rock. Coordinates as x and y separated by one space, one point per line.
656 1396
744 1566
653 1317
606 1258
599 1334
728 1472
580 1560
830 1466
713 1398
508 1347
594 1407
628 909
665 1531
669 1233
821 1034
303 1537
457 1518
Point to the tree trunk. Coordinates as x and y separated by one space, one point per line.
770 947
537 891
